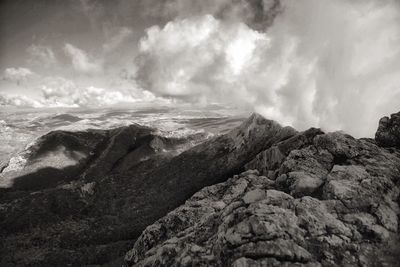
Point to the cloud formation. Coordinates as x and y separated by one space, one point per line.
328 63
41 55
61 92
197 57
257 14
17 75
80 60
58 92
116 40
18 101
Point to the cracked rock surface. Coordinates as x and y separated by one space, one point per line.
313 199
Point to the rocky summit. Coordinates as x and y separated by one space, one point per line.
260 195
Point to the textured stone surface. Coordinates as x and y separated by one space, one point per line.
261 195
326 200
388 133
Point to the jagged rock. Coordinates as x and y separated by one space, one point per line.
302 184
335 202
388 133
272 228
315 199
269 160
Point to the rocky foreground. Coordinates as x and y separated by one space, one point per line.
261 195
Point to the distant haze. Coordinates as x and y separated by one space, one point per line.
328 63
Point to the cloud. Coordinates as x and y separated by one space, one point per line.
81 61
18 101
333 64
58 91
257 14
194 57
94 12
41 55
17 75
116 40
61 92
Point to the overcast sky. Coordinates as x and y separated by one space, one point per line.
328 63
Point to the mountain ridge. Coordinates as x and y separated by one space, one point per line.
328 200
128 187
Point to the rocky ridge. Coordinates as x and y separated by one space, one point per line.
91 211
314 199
260 195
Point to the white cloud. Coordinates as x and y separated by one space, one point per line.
58 91
17 75
81 61
18 101
196 57
61 92
328 63
41 55
116 40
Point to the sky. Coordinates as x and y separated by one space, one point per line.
333 64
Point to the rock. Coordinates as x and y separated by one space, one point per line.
272 158
302 184
267 160
280 249
334 203
126 179
253 196
340 145
388 133
367 225
387 217
313 199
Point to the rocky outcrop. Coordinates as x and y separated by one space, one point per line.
123 180
314 199
260 195
388 133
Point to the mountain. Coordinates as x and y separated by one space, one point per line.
260 195
84 197
314 199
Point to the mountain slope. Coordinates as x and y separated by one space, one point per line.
314 199
124 180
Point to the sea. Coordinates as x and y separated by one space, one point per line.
20 127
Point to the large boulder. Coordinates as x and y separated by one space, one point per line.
388 133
